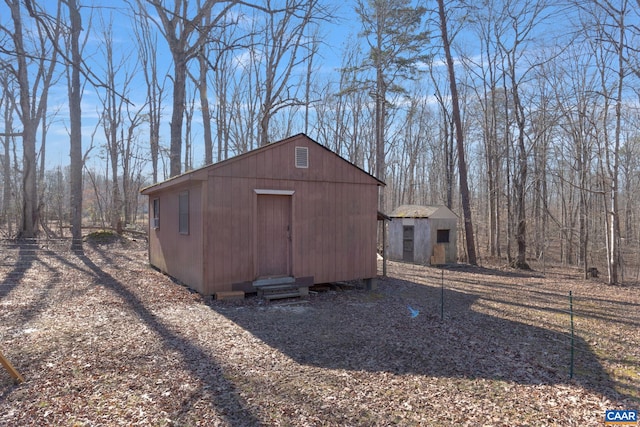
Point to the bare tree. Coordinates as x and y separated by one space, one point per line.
244 104
462 164
213 57
447 137
223 80
132 163
572 165
148 56
284 47
56 199
112 117
75 121
203 89
544 120
34 73
519 20
412 150
630 176
483 68
612 30
7 105
185 37
308 81
349 133
202 86
189 112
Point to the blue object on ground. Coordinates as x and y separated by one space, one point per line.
413 311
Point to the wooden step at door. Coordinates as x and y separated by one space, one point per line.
277 288
267 281
282 295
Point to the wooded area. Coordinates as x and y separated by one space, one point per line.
521 116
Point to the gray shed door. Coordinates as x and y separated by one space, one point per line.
274 235
407 243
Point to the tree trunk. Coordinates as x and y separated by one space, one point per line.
188 154
7 106
29 182
75 112
380 134
177 116
462 164
30 125
521 214
206 113
614 166
147 52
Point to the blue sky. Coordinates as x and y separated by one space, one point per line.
334 36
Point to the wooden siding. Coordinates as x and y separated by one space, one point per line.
179 255
277 162
333 212
333 216
333 232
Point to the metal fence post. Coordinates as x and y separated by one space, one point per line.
572 334
442 295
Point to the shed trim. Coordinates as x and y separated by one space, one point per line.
176 180
274 192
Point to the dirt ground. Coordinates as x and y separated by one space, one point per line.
104 340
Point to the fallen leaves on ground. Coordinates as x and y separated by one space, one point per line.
103 339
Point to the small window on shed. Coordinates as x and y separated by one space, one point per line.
443 236
183 212
155 221
302 157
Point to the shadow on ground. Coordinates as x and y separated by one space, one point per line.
504 272
20 263
375 331
227 402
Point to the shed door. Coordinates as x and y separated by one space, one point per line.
274 235
407 243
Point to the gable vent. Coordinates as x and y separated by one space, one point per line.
302 157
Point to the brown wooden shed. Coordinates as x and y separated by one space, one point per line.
289 211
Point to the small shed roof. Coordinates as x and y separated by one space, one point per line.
383 217
419 211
